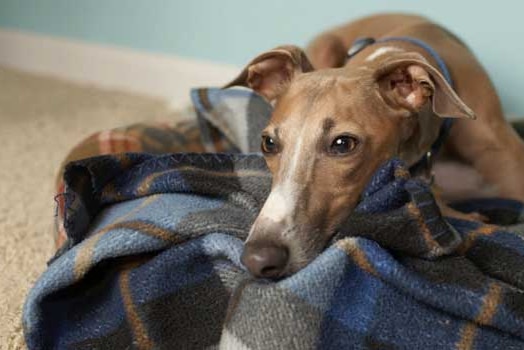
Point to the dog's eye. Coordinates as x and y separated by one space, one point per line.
343 144
269 146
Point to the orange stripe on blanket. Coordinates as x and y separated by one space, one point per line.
145 185
115 141
142 340
84 256
148 229
401 172
104 142
426 233
489 307
482 230
350 247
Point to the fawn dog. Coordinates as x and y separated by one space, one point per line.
336 120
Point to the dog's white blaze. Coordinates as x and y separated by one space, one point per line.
279 205
281 202
381 51
297 153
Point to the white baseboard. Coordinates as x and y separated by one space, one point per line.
168 77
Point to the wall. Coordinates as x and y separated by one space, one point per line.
233 31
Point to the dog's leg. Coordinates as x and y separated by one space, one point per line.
489 143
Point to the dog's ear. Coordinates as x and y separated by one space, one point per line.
270 73
410 81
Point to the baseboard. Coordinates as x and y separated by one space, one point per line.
168 77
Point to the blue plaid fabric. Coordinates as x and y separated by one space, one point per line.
152 262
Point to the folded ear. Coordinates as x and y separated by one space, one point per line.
270 73
410 82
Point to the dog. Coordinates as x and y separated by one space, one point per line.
336 120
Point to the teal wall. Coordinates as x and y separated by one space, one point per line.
232 31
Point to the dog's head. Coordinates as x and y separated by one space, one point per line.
329 132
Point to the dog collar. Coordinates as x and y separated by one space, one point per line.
424 164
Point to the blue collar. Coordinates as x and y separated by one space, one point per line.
423 164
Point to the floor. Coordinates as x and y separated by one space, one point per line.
41 118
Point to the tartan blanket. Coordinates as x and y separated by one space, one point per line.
227 120
150 246
153 262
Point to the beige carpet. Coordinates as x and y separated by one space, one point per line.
40 120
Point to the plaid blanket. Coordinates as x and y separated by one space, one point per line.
227 121
152 260
154 263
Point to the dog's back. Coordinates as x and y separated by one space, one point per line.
329 49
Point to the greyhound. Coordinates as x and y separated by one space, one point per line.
336 120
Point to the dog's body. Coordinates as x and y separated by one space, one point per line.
336 122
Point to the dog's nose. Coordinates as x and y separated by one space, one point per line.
265 259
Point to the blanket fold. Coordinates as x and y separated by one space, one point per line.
153 261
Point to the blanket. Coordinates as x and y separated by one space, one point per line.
227 120
151 258
153 262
